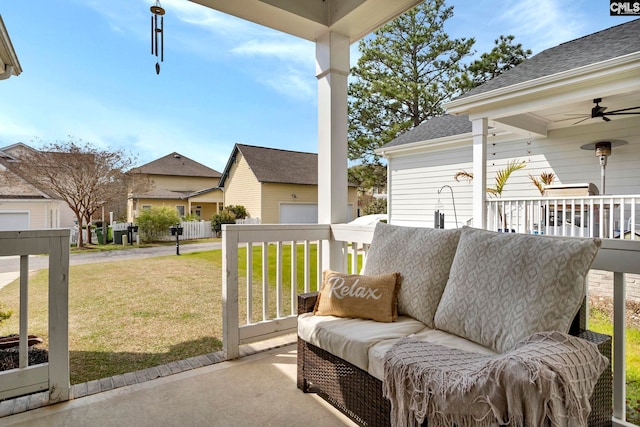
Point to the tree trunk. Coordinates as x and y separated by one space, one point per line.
80 243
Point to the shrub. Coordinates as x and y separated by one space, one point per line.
192 217
155 222
239 211
4 315
225 216
376 206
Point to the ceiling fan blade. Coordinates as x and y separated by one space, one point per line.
580 121
624 109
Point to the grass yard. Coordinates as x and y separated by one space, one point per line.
130 315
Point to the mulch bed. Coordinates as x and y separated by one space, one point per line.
10 357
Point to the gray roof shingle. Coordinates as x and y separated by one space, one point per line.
436 127
177 165
278 166
607 44
13 186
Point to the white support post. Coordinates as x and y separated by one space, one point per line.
480 129
230 320
619 346
332 70
59 319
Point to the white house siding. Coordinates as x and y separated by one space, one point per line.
414 183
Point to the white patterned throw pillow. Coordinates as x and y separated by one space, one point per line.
423 256
503 287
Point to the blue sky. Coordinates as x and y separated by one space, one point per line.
88 72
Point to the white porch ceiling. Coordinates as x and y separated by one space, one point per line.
308 19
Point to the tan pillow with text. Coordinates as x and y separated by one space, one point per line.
357 296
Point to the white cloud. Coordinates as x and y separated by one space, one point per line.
283 48
543 23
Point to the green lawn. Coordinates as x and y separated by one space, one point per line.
130 315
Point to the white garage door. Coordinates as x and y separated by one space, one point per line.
298 213
302 213
14 221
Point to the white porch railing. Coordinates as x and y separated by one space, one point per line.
280 319
54 375
617 256
613 217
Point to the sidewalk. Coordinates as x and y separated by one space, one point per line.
10 266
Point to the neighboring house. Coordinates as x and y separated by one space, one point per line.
276 186
177 181
24 206
539 112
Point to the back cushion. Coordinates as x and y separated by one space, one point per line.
503 287
423 256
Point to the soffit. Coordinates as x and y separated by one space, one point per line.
308 19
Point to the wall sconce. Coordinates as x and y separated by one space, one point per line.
294 196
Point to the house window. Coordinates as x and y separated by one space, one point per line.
180 210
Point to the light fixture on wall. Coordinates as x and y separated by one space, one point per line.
157 33
603 151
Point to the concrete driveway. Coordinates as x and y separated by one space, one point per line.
10 266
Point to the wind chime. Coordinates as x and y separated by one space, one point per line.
157 34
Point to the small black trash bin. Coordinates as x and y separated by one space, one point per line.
117 236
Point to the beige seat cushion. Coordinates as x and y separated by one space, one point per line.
350 339
435 336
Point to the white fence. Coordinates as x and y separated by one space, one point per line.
54 375
190 230
278 312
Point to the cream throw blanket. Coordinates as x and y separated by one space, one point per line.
545 381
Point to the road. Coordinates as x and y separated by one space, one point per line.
10 266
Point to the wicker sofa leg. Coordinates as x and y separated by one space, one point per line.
301 381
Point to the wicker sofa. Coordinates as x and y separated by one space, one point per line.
341 358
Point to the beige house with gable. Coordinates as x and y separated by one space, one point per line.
177 181
276 186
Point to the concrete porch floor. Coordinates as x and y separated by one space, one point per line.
259 389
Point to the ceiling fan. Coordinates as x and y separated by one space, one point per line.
600 111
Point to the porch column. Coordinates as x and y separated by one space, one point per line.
332 69
479 128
